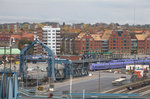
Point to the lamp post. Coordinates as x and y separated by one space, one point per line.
99 82
12 40
70 45
70 85
4 85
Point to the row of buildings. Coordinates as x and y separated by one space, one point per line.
118 41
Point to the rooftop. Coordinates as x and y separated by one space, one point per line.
96 37
80 36
142 36
107 34
15 51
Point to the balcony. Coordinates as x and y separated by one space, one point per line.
104 48
104 45
133 40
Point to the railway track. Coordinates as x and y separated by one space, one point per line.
143 91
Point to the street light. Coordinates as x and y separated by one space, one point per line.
99 82
70 44
4 58
71 84
12 40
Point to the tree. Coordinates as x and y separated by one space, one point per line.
22 43
25 27
39 25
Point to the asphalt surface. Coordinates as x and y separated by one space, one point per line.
89 84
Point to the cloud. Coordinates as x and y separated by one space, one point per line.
120 11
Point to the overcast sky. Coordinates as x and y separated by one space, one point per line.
75 11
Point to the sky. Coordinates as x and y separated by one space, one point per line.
75 11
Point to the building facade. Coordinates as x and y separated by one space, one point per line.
142 43
147 44
120 42
67 43
4 40
51 37
86 42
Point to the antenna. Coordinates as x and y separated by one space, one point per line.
134 17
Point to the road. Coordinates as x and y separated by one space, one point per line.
89 84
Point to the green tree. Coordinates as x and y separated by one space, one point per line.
22 43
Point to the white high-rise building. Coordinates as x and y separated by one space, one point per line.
51 37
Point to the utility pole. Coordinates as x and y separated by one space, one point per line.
83 93
4 85
10 58
70 85
12 40
99 82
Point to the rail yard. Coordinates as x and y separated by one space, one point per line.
48 76
141 87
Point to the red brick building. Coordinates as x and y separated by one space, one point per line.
37 47
4 39
87 42
120 42
142 43
147 44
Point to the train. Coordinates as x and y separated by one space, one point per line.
115 64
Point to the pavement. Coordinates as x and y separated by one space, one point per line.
88 83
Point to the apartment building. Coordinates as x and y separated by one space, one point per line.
105 41
4 40
120 42
142 43
49 36
86 42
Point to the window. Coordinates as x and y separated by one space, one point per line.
44 31
53 30
57 30
119 33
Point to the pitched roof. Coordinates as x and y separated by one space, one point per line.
96 37
107 34
138 31
80 36
27 35
142 36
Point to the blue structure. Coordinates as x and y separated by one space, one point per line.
9 87
51 70
113 64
